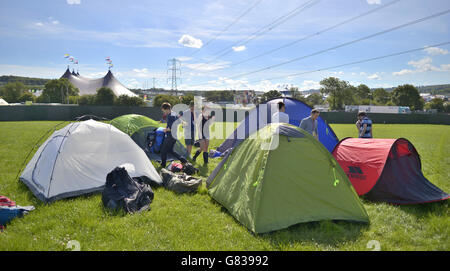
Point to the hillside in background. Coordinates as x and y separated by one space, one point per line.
33 83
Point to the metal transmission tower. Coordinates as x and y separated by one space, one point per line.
174 65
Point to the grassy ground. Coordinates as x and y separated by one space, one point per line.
196 222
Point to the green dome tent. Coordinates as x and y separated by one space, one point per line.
138 127
281 176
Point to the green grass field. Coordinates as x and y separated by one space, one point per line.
196 222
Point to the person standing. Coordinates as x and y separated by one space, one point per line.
189 120
204 120
280 116
169 139
310 123
364 125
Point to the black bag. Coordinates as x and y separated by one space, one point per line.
189 169
123 192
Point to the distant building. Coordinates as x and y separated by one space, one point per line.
89 86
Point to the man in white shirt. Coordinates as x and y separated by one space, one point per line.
280 116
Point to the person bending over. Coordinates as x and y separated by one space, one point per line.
169 139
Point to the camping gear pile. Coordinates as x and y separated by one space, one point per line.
276 176
9 210
126 193
179 183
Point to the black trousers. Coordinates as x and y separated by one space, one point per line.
167 148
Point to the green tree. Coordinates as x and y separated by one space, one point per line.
57 91
161 98
12 91
296 94
363 92
26 96
86 100
187 99
104 96
125 100
272 94
340 92
436 103
407 95
315 98
381 96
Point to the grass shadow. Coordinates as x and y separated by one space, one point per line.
332 233
439 208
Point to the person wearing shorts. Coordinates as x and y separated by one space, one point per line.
205 120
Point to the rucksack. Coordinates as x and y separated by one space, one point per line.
123 192
155 139
189 169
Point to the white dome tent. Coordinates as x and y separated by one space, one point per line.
76 159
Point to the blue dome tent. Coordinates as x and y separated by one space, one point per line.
297 110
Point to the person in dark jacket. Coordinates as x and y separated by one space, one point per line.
189 119
169 139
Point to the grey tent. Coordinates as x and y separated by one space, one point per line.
76 159
89 86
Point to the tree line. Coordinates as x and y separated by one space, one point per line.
337 93
62 91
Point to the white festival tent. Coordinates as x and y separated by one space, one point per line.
76 159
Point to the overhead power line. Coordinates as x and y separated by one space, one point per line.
355 62
228 27
350 63
311 35
344 44
264 29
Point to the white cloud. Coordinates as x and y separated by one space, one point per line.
309 84
73 2
207 66
421 65
403 72
184 58
189 41
142 73
374 77
39 24
445 67
133 84
374 2
239 48
55 22
436 51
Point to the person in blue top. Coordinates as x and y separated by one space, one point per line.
364 126
169 140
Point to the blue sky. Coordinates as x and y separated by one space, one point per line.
140 36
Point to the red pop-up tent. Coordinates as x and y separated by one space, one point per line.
387 170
